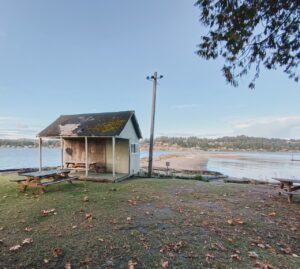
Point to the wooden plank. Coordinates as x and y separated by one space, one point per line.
46 173
40 151
72 178
291 193
113 157
53 182
18 180
62 152
287 180
86 157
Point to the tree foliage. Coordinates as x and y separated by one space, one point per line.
32 143
249 33
241 142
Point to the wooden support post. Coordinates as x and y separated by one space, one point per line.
86 157
129 156
62 152
113 157
40 153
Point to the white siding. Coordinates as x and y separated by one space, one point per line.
121 156
129 133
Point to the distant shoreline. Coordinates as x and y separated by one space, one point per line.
226 143
171 149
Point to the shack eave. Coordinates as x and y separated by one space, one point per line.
95 124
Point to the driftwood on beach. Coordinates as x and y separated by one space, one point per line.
204 175
248 181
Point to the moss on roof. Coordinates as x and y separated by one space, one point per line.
96 124
108 127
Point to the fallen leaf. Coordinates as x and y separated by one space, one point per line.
15 248
46 212
263 265
191 255
261 245
131 264
164 264
181 210
230 222
68 265
205 223
272 214
286 250
132 201
89 216
27 241
235 221
239 221
57 252
88 260
173 247
219 246
235 257
28 229
253 254
209 256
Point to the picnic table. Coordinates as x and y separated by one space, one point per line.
77 165
81 166
287 184
44 179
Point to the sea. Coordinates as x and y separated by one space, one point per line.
256 165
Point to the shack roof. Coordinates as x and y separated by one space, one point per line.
95 124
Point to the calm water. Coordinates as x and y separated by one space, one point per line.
11 158
27 157
257 165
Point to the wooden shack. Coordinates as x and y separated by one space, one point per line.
99 145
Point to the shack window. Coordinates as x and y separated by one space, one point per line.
134 148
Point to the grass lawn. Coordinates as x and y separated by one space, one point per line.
148 223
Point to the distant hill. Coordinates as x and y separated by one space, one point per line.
27 143
238 143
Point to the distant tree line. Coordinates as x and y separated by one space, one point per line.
32 143
241 142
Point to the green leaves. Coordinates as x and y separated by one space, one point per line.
249 33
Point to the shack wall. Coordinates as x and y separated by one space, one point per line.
121 156
74 150
129 133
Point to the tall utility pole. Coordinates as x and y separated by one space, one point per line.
154 78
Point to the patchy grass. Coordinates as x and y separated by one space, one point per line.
154 223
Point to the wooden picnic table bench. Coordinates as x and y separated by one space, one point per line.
81 166
287 184
36 179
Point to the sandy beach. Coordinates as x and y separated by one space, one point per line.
194 160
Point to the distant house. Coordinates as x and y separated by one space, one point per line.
99 145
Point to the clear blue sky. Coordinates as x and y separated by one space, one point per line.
69 57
